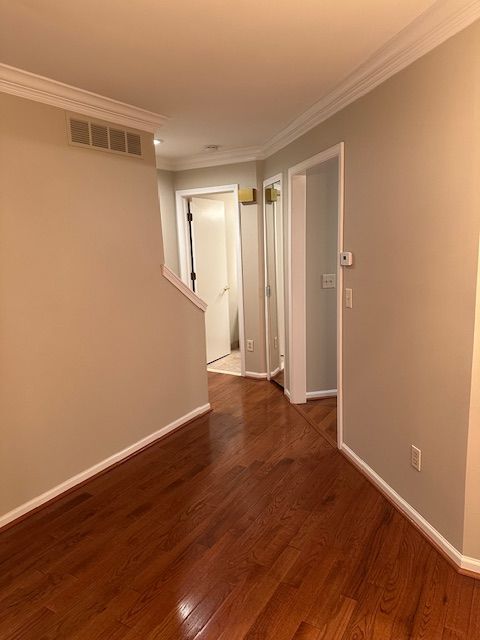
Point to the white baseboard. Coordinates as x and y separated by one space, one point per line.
315 395
228 373
461 561
100 466
254 374
287 393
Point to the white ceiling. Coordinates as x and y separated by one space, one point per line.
226 73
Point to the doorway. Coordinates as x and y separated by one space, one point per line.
209 242
274 279
315 284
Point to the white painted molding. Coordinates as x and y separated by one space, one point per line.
184 256
461 561
210 159
439 22
28 85
182 287
328 393
257 376
442 20
100 466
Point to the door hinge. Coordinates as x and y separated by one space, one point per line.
189 217
268 291
193 276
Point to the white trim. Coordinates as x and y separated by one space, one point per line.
182 287
228 373
210 159
183 255
328 393
257 376
296 270
274 373
286 392
276 178
28 85
463 562
438 23
100 466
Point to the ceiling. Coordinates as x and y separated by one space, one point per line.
226 73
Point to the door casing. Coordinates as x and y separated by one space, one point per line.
296 279
181 197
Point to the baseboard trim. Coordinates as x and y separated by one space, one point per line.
463 564
224 372
257 376
41 501
315 395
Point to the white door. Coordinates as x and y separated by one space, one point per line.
210 264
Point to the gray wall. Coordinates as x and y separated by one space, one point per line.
321 250
97 349
412 220
166 196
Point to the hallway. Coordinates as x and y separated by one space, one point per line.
245 523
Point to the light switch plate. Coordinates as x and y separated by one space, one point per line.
349 298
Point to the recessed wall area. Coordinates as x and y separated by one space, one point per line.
244 174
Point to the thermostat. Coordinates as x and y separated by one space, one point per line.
346 259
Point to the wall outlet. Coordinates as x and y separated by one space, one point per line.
249 345
275 342
349 298
416 458
329 280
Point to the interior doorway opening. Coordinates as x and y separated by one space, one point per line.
315 308
274 279
209 243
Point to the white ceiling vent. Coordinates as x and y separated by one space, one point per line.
85 133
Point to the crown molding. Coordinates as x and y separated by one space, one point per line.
210 159
24 84
439 22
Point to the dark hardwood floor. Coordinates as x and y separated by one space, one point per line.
244 524
322 415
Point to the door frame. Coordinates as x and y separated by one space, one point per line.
296 276
276 178
181 196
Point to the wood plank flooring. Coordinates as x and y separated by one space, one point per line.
322 415
245 524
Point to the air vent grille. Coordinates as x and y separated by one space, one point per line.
117 140
99 135
134 144
102 136
79 132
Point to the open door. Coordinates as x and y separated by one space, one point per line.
209 271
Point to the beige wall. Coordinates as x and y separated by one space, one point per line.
97 350
166 196
321 257
412 222
471 538
244 174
